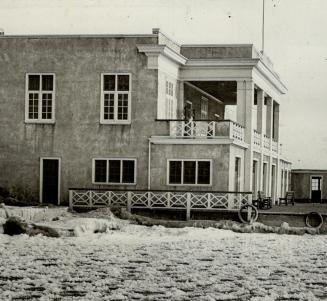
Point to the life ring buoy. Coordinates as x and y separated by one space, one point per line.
314 214
252 213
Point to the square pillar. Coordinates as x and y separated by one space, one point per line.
180 100
269 120
245 102
260 129
276 121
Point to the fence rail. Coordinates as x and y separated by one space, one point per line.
158 199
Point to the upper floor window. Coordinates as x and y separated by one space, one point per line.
40 98
169 100
189 172
114 171
115 98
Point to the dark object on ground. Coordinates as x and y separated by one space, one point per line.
15 225
289 198
10 201
4 192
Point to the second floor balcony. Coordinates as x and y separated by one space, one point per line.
204 129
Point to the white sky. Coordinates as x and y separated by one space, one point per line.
296 41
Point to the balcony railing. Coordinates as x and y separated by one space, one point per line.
265 142
158 199
206 129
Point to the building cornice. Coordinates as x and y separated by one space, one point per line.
212 63
154 51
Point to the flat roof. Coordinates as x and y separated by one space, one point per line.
309 170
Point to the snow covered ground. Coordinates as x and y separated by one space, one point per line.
157 263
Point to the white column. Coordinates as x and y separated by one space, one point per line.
260 119
269 132
180 101
245 101
276 121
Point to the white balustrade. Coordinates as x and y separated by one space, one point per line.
192 129
158 199
206 129
274 146
237 131
266 142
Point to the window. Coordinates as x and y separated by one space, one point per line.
189 172
116 98
40 98
204 108
169 100
114 171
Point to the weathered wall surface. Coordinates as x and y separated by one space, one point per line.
301 185
77 135
220 52
220 164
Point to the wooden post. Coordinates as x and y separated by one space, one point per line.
188 206
129 201
70 199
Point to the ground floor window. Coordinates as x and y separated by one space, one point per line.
114 171
189 172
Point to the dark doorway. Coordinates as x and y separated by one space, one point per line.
316 189
50 180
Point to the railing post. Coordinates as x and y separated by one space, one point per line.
90 198
209 200
188 206
168 199
148 194
129 201
70 192
230 197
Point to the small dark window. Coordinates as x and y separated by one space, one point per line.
189 172
34 82
203 172
114 171
109 82
47 82
100 174
128 171
175 172
123 83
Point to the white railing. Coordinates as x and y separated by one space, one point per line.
158 199
192 129
206 129
274 146
266 142
256 139
237 131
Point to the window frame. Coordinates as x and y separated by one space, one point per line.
115 92
196 172
40 92
107 166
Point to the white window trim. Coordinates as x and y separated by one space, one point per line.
321 183
53 92
129 111
41 177
196 172
121 174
